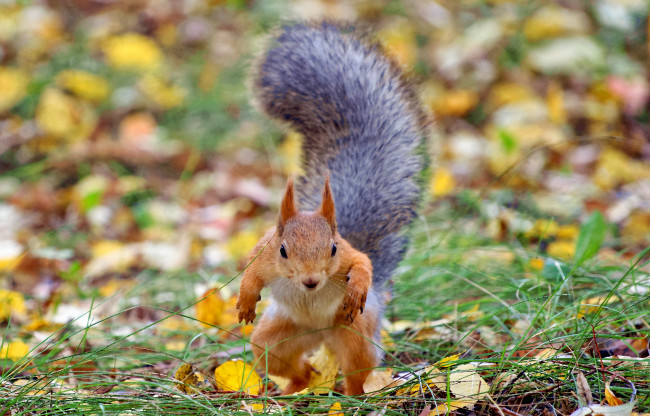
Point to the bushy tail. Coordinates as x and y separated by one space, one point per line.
361 124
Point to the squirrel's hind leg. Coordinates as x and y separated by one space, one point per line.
355 351
280 349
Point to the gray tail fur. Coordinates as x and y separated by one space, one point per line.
361 124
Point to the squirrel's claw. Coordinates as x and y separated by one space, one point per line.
353 304
246 313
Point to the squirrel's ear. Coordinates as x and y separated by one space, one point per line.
288 206
327 208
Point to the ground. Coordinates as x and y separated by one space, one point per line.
135 176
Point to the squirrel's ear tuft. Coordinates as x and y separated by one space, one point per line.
288 206
327 208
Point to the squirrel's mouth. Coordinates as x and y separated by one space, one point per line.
310 284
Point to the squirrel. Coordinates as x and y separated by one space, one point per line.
327 264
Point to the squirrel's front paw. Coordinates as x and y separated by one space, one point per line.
246 311
354 302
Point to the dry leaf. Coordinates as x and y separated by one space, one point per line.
13 84
378 380
163 94
616 408
611 398
465 384
290 152
14 350
83 84
210 310
132 51
11 303
191 378
335 410
236 375
442 182
64 117
325 363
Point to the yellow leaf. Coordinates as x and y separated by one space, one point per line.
240 245
175 345
442 182
594 303
111 256
568 232
448 361
509 92
536 263
335 409
455 103
14 351
167 34
400 44
162 94
191 378
615 167
290 152
105 247
543 229
555 104
83 84
327 367
13 84
636 229
11 303
132 51
210 310
553 21
64 117
236 375
561 249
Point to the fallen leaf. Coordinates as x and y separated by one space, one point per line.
553 21
378 380
236 375
132 51
14 350
240 245
464 383
335 410
290 152
11 303
83 84
442 182
400 44
13 84
163 94
327 367
192 380
64 117
611 398
210 310
561 249
455 103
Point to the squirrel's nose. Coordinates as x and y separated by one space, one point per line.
310 283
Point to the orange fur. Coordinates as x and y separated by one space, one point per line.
319 297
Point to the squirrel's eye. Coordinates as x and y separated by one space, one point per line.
333 249
283 252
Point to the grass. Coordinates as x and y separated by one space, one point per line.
460 294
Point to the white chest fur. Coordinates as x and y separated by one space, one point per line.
311 309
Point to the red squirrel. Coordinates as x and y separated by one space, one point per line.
327 264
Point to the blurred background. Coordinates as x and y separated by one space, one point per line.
134 170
